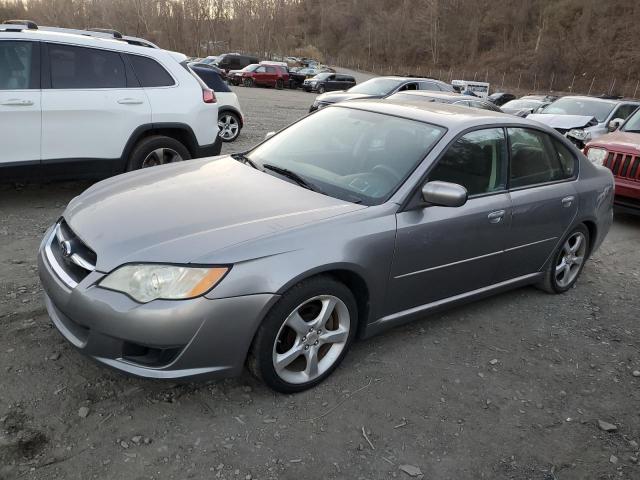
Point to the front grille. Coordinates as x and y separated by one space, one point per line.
624 165
69 256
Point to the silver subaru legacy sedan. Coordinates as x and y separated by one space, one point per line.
357 218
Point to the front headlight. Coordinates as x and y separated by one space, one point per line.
147 282
579 134
597 155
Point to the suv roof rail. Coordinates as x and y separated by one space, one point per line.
109 31
29 24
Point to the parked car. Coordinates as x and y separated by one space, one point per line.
358 218
380 87
328 82
230 117
260 75
234 61
523 106
500 98
620 152
210 60
441 97
296 80
582 118
87 105
221 73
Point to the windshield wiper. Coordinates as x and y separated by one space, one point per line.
291 175
241 157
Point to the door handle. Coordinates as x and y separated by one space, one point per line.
496 217
16 102
130 101
568 201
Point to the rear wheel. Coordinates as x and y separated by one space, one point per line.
229 126
568 262
305 336
157 150
279 84
248 82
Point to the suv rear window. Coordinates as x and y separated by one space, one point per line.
80 67
150 73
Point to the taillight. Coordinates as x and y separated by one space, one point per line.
208 96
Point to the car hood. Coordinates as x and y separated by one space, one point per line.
564 122
340 96
627 141
185 212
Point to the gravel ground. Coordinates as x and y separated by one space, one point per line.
509 387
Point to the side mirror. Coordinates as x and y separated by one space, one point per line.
444 194
615 124
269 135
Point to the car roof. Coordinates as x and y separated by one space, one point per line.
455 117
610 101
433 94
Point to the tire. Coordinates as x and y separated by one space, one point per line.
143 156
321 89
248 82
277 341
279 84
229 126
567 262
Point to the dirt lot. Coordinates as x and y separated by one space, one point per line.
510 387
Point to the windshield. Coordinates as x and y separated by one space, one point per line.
633 123
580 106
250 68
322 76
376 86
354 155
522 104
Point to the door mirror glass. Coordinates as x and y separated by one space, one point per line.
444 194
615 124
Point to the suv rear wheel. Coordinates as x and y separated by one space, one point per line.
229 126
279 84
157 150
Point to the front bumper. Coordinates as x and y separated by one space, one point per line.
197 338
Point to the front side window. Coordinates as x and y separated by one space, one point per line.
150 73
16 64
80 67
534 159
350 154
476 161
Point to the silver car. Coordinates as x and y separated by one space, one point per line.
357 218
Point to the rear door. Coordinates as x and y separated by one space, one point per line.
544 199
90 106
20 101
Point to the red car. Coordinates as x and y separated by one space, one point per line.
620 152
267 75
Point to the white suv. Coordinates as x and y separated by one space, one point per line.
95 103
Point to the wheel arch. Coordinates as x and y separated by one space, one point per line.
178 131
228 108
593 234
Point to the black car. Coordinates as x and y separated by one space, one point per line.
328 82
234 61
452 98
381 87
296 80
211 67
500 98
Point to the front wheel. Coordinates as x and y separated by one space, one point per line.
305 336
321 89
568 262
248 82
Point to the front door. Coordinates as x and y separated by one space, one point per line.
442 251
543 196
20 109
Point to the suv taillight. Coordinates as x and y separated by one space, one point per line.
208 96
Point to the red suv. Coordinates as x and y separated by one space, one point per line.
267 75
620 152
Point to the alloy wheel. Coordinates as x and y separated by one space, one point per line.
311 339
160 156
571 259
228 126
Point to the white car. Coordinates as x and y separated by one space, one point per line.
96 103
230 116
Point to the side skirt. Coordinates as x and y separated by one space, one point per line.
420 311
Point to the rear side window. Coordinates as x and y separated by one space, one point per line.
476 161
80 67
17 64
150 73
567 160
534 159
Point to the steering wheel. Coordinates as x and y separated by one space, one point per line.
387 171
